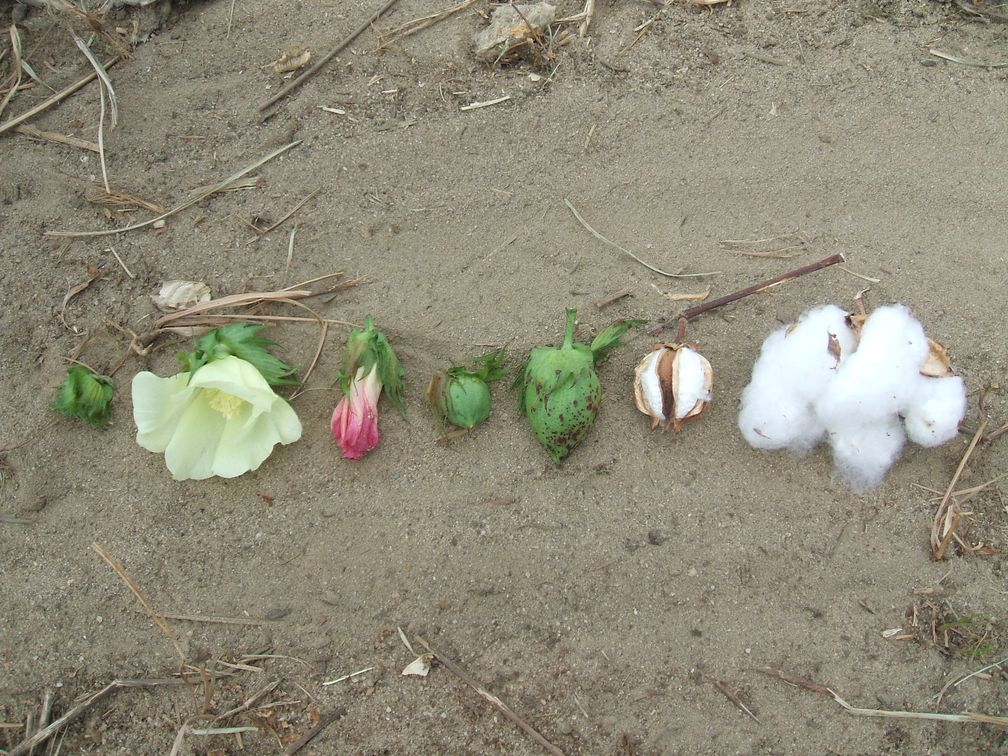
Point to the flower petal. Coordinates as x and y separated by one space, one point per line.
237 377
158 405
249 438
354 422
191 452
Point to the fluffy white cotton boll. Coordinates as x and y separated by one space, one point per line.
877 381
863 454
935 411
772 417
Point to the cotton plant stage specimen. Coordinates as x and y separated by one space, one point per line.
460 395
220 416
85 395
369 365
672 384
559 391
863 388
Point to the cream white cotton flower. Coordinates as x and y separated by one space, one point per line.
224 421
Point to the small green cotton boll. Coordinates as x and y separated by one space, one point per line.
464 400
85 395
461 396
559 391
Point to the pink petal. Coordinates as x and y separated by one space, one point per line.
354 422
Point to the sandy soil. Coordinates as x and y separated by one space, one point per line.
604 599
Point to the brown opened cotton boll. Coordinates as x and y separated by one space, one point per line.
673 384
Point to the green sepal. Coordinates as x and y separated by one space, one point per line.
366 348
491 367
609 338
240 340
86 395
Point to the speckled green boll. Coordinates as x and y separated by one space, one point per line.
559 391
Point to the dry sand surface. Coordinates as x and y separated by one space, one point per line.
605 600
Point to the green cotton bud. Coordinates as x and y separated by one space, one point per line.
86 395
461 396
559 391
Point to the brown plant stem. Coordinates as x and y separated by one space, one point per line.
700 309
364 26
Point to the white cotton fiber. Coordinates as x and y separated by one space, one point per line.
937 407
878 379
772 417
794 367
806 354
651 383
816 380
863 454
691 382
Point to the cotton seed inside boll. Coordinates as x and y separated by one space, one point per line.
937 364
672 384
938 406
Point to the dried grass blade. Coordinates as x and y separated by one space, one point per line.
15 38
231 300
155 617
938 532
627 252
188 203
103 77
54 99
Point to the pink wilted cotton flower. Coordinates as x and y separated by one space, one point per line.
355 420
369 366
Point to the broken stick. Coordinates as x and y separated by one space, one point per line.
491 699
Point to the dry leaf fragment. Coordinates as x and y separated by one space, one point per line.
177 295
937 364
833 347
420 666
292 60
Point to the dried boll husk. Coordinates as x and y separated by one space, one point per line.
672 384
937 364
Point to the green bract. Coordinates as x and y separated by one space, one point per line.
240 340
86 395
366 348
461 396
559 391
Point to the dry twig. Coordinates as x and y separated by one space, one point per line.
886 713
491 699
188 203
385 39
286 90
947 517
77 711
